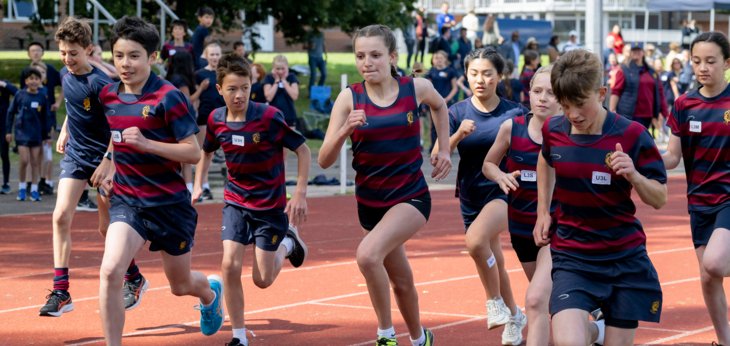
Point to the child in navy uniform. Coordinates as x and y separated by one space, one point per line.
700 125
153 131
380 115
253 137
209 98
591 159
281 89
7 90
29 116
205 15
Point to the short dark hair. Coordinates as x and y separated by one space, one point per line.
138 30
232 64
238 44
204 10
715 37
30 71
179 22
35 43
576 75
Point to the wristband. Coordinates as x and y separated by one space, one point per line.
108 155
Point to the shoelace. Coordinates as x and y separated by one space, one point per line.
54 297
383 341
511 327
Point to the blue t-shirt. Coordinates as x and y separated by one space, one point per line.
441 79
210 99
86 124
282 101
30 115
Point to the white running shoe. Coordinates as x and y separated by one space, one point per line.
512 334
498 313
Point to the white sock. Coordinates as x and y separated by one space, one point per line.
288 243
420 340
21 185
240 334
211 302
34 187
189 186
388 333
206 186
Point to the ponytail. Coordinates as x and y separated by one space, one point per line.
394 71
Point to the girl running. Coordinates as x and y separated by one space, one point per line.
380 115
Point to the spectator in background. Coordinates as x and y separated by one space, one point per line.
651 54
470 22
51 81
421 33
572 42
409 36
618 39
687 76
205 20
97 60
257 88
674 52
210 99
478 44
7 90
509 88
491 36
512 49
689 32
443 43
612 70
532 44
552 49
607 50
281 88
317 54
444 19
532 62
464 50
177 43
240 49
638 93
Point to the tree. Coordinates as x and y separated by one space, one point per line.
297 19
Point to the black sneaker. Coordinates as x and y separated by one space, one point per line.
235 342
86 205
207 195
5 189
299 253
59 301
133 291
45 189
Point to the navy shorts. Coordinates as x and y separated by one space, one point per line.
626 290
470 210
525 248
370 216
264 228
703 223
29 144
75 169
170 228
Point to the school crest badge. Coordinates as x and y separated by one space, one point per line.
183 244
274 239
655 307
726 117
607 160
87 104
146 111
39 108
256 138
409 118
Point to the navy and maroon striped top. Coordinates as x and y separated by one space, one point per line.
522 155
387 151
703 125
163 114
596 215
254 151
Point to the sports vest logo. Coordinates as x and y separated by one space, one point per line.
274 238
256 138
87 104
146 111
726 117
655 307
608 159
409 118
183 244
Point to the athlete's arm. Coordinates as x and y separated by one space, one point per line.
673 155
343 121
296 208
201 170
441 156
62 138
186 150
103 170
545 187
490 168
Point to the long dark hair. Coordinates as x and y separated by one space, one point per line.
715 37
181 64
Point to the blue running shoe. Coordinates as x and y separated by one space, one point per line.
211 317
35 196
21 195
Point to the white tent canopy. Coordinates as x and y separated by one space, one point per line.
692 6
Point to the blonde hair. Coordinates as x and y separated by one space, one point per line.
280 59
544 69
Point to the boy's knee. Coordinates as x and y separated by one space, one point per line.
263 282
